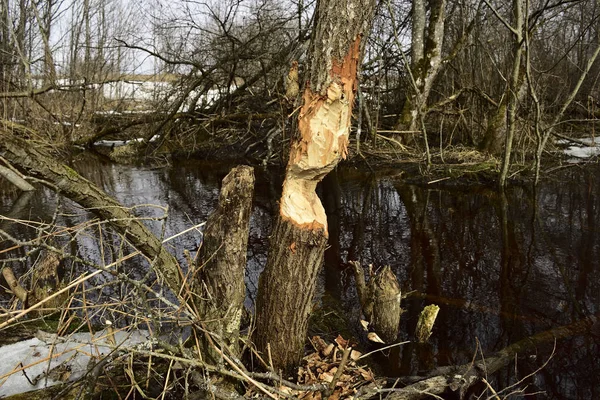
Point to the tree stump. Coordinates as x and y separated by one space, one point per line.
219 288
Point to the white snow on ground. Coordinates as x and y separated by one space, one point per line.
117 143
580 152
44 360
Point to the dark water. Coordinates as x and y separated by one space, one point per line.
502 267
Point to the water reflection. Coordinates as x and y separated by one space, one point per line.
502 266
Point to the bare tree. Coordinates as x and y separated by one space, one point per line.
427 41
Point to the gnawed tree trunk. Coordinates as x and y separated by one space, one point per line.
380 301
222 261
34 161
44 283
426 321
386 305
458 379
287 285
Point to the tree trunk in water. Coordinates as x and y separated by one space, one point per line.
220 287
287 285
386 305
458 379
36 162
379 301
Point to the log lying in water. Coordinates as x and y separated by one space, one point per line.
36 161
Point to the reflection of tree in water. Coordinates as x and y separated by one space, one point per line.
424 275
501 267
568 277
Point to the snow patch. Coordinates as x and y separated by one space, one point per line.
48 360
579 153
118 143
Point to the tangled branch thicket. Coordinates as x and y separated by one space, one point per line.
105 285
143 338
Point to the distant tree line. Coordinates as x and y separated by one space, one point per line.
487 74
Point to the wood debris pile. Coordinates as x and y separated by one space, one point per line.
326 366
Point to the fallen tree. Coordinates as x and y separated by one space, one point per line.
222 260
37 162
459 379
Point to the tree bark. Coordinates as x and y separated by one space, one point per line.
380 301
386 305
220 284
426 59
287 285
517 78
459 379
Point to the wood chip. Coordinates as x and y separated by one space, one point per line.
373 337
327 351
326 377
342 343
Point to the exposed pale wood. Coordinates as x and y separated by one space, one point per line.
460 378
287 285
426 322
15 179
14 284
292 84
